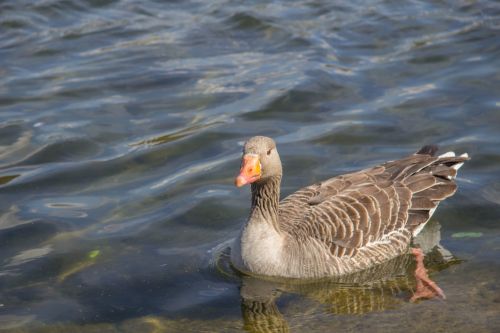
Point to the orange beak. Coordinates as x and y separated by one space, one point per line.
250 170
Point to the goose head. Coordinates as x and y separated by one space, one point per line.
260 161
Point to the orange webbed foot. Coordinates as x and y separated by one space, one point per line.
426 288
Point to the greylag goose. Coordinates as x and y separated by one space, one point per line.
341 225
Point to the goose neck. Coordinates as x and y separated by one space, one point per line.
265 201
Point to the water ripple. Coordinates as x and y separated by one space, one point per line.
121 124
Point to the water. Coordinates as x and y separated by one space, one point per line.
121 125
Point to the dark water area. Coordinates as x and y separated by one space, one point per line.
121 124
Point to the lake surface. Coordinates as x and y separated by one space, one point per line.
121 125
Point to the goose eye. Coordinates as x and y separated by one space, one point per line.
269 152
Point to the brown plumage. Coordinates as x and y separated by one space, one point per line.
341 225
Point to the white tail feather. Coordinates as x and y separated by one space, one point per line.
459 165
452 154
448 154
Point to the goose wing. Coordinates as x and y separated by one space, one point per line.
351 211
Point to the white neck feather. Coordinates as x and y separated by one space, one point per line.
259 246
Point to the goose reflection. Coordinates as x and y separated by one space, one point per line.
379 288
